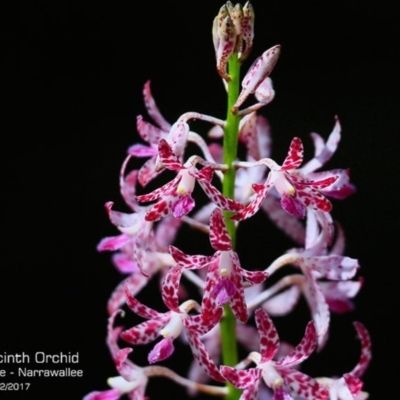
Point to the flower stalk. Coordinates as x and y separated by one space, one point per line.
230 145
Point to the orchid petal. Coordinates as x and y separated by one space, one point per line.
269 339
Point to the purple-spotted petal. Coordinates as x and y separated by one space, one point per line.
170 288
293 206
241 379
253 206
269 339
219 236
203 358
139 308
149 133
303 350
187 261
294 157
259 70
218 198
224 290
167 157
146 331
162 191
226 45
148 171
299 384
118 298
183 205
152 108
366 354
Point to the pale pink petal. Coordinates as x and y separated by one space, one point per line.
113 243
149 133
323 154
290 225
136 282
143 243
333 267
177 137
166 231
121 219
248 337
337 294
283 303
111 394
113 334
124 264
124 366
366 354
148 171
265 93
127 186
152 108
248 135
319 308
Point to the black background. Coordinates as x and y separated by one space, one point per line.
78 83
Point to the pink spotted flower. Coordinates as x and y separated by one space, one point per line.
169 326
280 376
175 197
297 192
349 386
224 280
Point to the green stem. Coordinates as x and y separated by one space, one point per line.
228 322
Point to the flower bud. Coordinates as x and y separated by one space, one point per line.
257 73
